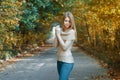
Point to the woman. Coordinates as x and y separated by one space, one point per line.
64 41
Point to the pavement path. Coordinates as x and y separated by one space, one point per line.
43 67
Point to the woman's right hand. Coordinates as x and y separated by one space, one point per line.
57 27
58 30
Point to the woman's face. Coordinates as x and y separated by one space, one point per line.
67 23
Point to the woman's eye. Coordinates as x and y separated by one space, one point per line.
66 21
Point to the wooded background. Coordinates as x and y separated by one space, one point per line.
28 22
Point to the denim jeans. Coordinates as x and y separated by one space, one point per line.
64 70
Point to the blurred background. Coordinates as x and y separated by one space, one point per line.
30 23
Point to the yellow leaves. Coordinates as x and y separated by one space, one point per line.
8 4
1 47
56 0
118 11
107 10
62 5
98 16
13 22
8 20
101 23
113 11
9 11
18 3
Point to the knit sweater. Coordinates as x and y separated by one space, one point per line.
64 44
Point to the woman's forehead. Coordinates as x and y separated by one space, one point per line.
67 18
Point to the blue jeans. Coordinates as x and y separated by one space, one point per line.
64 70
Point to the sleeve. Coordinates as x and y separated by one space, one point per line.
68 40
70 35
55 43
66 44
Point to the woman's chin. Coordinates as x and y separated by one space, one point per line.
66 27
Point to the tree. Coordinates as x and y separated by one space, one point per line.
98 29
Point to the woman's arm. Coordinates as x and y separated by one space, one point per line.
63 44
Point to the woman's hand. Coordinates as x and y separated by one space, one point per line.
57 30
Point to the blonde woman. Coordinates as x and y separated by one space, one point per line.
65 38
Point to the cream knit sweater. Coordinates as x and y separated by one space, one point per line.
64 44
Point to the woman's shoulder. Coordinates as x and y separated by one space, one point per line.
71 31
68 32
69 35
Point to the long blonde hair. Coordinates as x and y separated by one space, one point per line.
72 21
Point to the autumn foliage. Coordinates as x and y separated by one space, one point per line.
24 22
98 25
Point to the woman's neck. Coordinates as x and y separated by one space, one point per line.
66 29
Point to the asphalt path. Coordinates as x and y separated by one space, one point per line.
43 67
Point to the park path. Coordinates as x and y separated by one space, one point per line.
43 67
